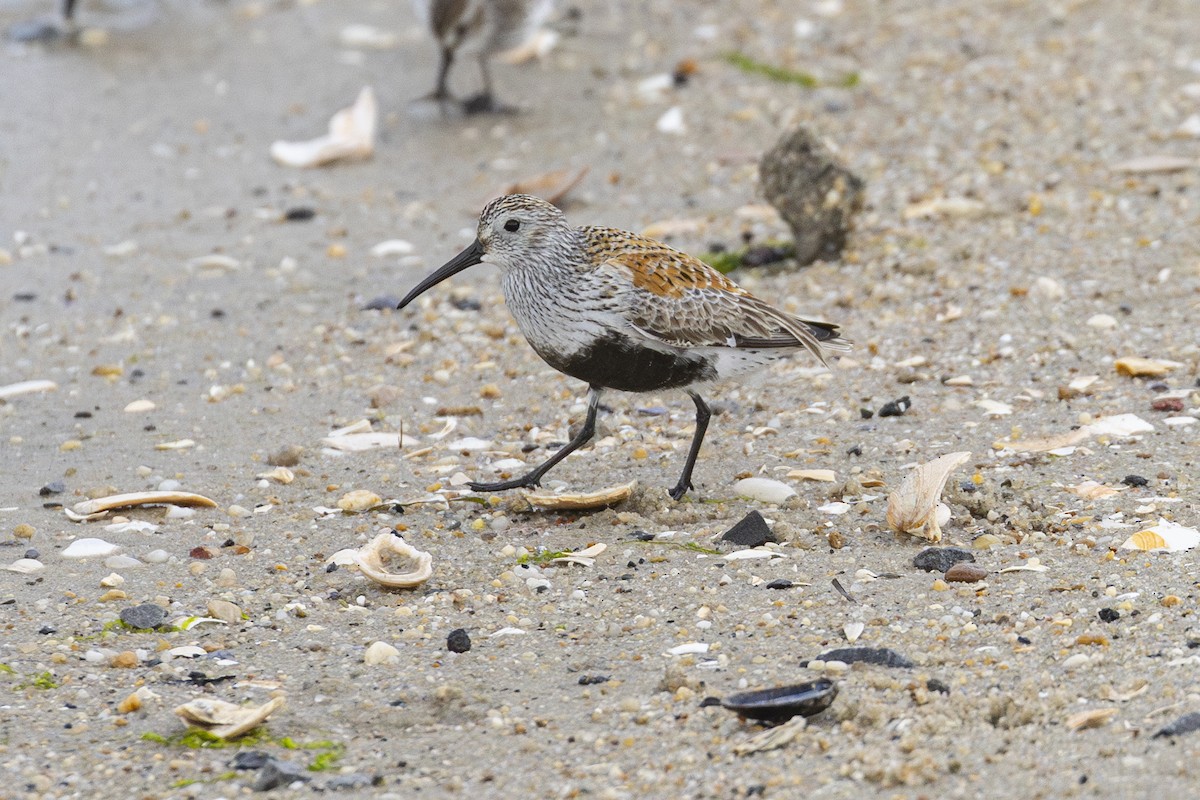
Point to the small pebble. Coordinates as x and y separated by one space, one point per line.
358 501
459 641
126 659
896 408
965 573
940 559
145 616
225 611
1109 615
275 773
780 583
24 531
381 653
750 531
54 487
1134 480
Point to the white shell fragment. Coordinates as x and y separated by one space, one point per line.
1032 565
752 553
142 499
585 500
913 507
25 566
281 475
765 490
90 548
820 475
772 738
393 247
381 653
1092 718
1159 163
374 561
367 37
351 135
853 630
1166 536
358 442
1119 425
585 557
226 720
26 387
688 649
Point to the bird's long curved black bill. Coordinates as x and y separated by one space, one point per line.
467 258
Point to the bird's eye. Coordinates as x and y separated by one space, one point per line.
512 225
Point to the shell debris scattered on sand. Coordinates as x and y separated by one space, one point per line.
916 507
375 561
94 509
582 501
351 136
226 720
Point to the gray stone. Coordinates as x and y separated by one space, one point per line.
814 193
147 615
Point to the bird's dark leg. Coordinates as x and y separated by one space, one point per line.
68 10
442 90
534 478
485 101
702 416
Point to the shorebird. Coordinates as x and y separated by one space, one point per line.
621 311
484 27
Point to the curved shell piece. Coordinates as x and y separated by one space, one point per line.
1169 536
914 506
351 135
580 502
375 561
142 499
226 720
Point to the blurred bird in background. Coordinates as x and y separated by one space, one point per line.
481 28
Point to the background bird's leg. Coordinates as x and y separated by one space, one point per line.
485 101
442 90
534 477
68 10
702 416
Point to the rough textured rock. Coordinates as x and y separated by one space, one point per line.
814 193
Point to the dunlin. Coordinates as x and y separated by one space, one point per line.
621 311
481 27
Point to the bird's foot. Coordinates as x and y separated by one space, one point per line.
524 482
680 489
436 104
486 103
43 29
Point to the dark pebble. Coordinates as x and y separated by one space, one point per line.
250 759
32 553
350 780
466 304
780 583
783 702
940 559
592 680
751 531
1185 724
275 773
1109 615
866 413
382 302
1167 404
896 408
764 254
458 641
46 630
935 685
965 573
299 214
1134 480
147 615
880 656
202 553
53 487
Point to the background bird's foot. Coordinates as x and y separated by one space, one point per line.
436 104
486 103
43 29
526 482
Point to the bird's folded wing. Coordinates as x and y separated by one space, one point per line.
675 299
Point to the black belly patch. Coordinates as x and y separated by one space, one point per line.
616 362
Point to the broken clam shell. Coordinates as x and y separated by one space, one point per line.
1168 536
375 561
783 702
579 502
226 720
26 387
914 507
132 499
351 135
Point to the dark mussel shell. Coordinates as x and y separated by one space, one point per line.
783 702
